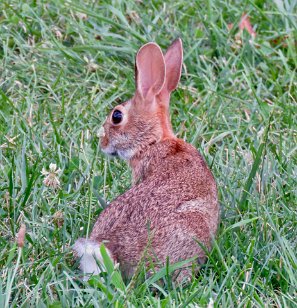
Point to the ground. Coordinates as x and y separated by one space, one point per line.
64 64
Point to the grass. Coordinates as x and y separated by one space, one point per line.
65 64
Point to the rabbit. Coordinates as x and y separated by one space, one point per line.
173 201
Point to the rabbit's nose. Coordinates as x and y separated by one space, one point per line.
101 132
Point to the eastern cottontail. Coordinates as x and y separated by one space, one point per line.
173 200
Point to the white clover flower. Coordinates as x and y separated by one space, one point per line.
52 176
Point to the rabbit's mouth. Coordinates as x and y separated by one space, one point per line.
112 153
109 151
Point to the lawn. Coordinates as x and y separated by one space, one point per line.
64 64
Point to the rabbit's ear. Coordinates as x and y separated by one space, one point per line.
173 61
149 70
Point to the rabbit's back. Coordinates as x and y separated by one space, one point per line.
174 185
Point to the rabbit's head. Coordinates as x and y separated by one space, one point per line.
144 119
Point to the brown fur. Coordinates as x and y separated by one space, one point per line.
173 200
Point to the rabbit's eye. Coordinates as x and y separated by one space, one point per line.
117 117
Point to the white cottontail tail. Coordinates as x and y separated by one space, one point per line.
173 200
